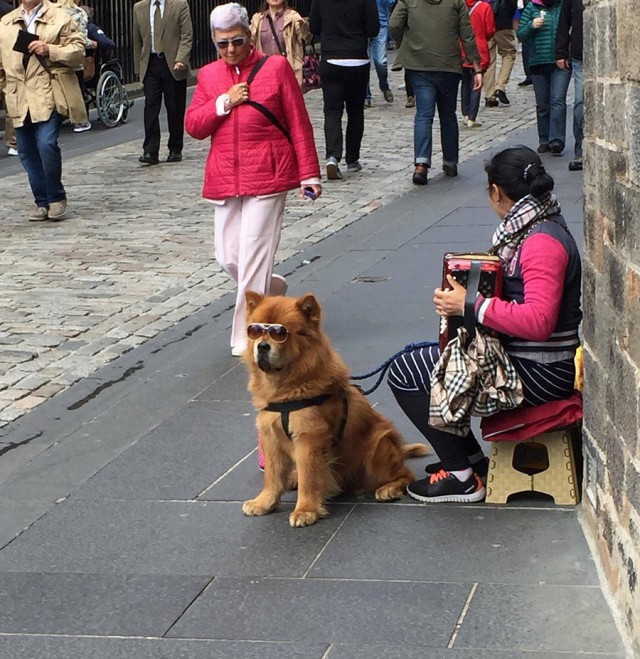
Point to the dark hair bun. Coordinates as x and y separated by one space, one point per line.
519 172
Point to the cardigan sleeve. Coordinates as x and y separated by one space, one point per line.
543 262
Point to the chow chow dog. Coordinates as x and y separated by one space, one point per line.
316 428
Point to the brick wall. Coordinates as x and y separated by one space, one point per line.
612 296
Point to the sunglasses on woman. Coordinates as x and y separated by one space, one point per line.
236 42
276 332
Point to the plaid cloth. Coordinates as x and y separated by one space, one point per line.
478 381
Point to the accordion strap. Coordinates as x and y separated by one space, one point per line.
473 283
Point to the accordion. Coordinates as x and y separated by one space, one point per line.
484 271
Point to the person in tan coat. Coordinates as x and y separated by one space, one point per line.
39 89
162 38
292 33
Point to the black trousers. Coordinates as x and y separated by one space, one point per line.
343 86
158 83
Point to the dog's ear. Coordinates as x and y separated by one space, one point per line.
310 307
252 300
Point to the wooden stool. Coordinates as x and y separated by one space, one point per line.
545 463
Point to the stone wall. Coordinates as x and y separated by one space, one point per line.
612 297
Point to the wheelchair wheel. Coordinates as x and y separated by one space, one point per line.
111 99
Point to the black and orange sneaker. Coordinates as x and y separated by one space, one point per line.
443 487
481 467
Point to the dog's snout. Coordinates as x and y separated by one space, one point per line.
263 347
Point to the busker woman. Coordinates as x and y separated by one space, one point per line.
252 163
292 33
537 319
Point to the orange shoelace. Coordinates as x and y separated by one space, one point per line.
438 476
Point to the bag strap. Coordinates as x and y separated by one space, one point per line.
261 108
473 283
281 48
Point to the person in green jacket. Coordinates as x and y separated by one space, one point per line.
537 28
429 33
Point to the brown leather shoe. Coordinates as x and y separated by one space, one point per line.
57 210
420 175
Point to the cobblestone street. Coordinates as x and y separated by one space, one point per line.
135 255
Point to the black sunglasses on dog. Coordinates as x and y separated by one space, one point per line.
277 332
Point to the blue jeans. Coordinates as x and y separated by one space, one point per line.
469 99
40 156
378 52
435 89
578 106
550 85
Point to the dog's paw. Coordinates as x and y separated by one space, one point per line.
388 493
255 508
300 518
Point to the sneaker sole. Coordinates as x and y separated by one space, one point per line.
333 173
474 497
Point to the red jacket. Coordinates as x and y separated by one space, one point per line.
484 27
249 156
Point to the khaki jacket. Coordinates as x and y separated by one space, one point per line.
177 36
34 91
295 35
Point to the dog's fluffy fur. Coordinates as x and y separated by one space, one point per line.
368 458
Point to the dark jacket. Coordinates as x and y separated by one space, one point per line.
5 7
96 34
542 40
569 35
427 34
503 12
344 27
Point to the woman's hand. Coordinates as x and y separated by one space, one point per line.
450 302
537 23
317 190
238 94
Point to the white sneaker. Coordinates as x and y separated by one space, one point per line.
12 152
238 351
279 285
80 128
473 124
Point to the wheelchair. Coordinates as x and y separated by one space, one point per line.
104 88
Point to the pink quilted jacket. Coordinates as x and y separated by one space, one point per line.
248 154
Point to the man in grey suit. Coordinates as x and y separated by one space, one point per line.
162 37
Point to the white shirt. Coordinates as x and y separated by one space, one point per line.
152 11
30 18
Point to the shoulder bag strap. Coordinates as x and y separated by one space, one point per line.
261 108
473 282
281 49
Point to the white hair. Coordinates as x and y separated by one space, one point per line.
225 17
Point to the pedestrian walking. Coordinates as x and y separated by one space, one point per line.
9 132
429 35
503 46
527 82
344 28
569 56
37 80
162 38
536 318
378 53
484 27
251 108
276 29
538 27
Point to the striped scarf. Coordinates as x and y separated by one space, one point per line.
522 216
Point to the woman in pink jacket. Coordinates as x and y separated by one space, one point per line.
262 146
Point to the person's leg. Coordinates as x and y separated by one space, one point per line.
9 133
30 158
408 86
153 85
526 47
474 102
465 91
506 43
46 135
489 81
378 47
578 107
425 94
260 228
541 88
333 97
175 102
558 87
449 130
356 80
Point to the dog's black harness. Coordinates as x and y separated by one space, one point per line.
287 406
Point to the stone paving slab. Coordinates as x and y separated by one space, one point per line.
136 254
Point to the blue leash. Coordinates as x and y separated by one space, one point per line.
384 366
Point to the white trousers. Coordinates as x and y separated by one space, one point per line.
247 233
